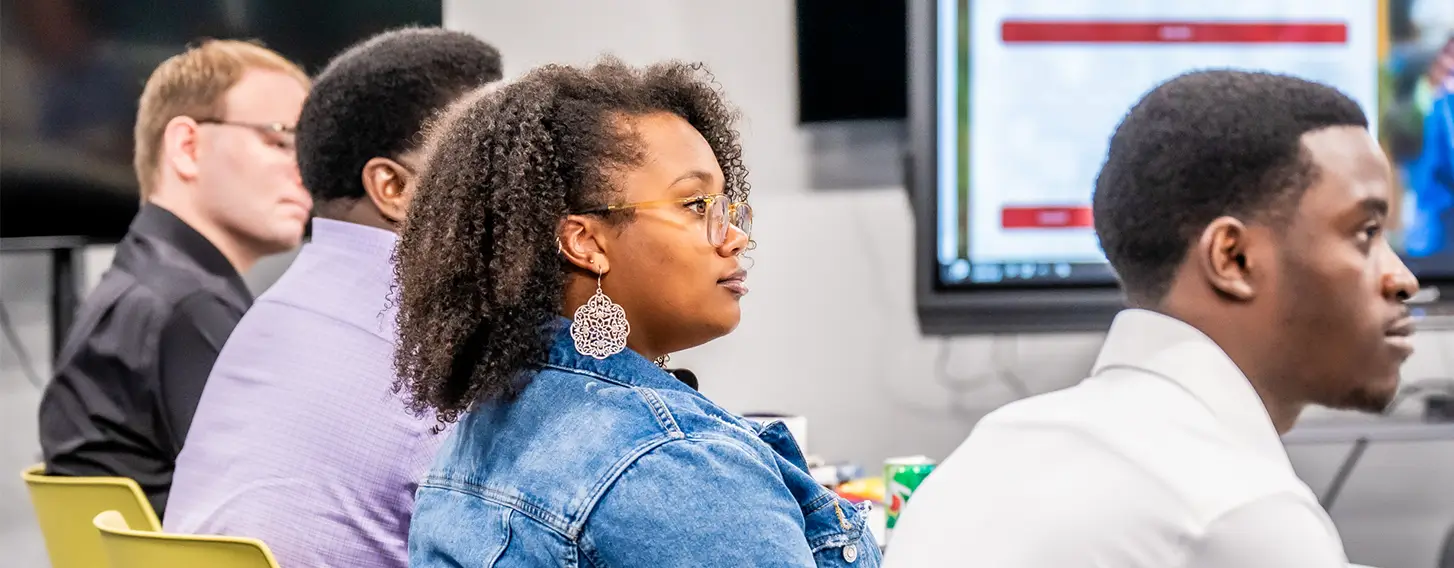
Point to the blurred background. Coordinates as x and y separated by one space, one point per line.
873 313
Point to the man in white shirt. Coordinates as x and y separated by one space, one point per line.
1244 215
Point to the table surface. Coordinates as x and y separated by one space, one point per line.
1372 429
31 244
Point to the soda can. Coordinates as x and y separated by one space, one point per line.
901 477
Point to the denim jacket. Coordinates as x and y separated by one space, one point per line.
617 463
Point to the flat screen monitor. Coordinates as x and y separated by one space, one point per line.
1012 104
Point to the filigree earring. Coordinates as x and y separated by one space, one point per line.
599 327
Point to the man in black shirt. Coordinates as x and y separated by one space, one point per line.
220 190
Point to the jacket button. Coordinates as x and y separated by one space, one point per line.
850 553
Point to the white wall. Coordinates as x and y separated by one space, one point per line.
748 44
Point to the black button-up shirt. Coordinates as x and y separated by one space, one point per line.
134 363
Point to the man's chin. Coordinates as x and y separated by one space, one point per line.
1372 399
284 239
282 246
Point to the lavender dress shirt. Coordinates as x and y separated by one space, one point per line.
299 439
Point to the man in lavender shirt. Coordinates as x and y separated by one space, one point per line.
299 439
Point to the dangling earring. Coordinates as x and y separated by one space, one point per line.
662 361
599 327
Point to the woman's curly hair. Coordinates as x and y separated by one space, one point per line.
479 275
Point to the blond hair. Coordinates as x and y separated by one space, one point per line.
194 83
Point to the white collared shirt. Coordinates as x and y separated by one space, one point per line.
1164 458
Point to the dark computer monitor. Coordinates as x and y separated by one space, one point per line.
71 72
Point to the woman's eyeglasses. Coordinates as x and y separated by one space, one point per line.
717 208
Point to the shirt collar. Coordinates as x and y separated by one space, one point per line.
159 223
372 241
1172 349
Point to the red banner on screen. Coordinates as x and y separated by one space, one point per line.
1031 31
1045 217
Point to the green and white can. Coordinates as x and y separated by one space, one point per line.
901 477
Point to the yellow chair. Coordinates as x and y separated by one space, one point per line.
65 507
129 548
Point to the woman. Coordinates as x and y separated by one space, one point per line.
571 230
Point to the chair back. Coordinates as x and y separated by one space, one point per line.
128 548
65 507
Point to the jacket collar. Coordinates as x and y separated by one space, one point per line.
632 369
1174 350
627 367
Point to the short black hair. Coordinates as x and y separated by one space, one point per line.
373 98
1200 146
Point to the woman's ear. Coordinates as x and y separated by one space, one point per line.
579 239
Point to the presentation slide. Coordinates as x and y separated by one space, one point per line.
1031 90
